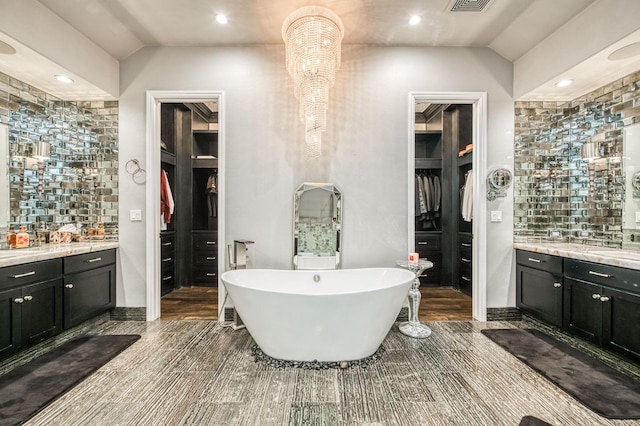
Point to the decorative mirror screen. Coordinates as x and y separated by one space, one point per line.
317 220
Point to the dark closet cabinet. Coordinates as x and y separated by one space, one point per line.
445 238
191 164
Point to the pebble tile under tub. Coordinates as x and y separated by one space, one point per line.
199 373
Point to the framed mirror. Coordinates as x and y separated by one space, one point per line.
317 226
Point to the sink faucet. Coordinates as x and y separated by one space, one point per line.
238 258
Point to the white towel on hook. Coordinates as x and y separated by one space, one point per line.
467 197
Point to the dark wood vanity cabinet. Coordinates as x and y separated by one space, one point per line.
89 286
602 305
30 304
596 302
539 286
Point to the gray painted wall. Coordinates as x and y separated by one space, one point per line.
364 149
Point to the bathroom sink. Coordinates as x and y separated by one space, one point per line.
619 254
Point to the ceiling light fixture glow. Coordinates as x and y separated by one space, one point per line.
415 20
564 83
64 79
221 19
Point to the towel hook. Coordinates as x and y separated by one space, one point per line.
138 174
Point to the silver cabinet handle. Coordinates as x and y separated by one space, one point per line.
167 259
465 260
468 245
557 285
466 279
604 299
600 274
423 243
26 274
18 300
167 278
95 259
68 285
211 258
596 296
166 244
28 297
531 259
211 243
211 274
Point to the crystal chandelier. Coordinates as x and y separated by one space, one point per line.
312 37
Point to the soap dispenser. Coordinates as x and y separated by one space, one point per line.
22 238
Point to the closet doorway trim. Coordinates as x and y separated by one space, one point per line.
154 99
479 225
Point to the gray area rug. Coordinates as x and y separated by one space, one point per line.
29 388
597 386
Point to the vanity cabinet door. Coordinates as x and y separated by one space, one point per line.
621 322
41 311
539 293
9 321
88 293
583 309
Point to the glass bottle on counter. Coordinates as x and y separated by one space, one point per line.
11 238
22 238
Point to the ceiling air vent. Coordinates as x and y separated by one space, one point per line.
468 5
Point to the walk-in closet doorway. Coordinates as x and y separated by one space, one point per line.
154 102
475 104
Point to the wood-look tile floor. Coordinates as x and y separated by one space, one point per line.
199 373
201 303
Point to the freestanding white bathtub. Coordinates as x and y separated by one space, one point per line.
334 315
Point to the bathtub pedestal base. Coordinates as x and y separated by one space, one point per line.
413 327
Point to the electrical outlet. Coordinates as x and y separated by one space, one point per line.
555 234
637 217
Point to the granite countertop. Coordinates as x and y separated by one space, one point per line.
604 255
51 251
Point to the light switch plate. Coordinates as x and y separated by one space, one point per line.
496 216
637 217
135 215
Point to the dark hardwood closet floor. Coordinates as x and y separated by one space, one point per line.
201 303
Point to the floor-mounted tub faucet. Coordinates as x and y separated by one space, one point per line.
239 256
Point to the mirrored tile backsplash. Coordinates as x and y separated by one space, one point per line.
78 182
559 193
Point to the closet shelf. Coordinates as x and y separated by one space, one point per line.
204 163
467 159
167 157
428 163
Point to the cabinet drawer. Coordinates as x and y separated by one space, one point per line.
205 276
465 283
546 262
207 258
84 262
427 243
167 244
13 276
611 276
205 240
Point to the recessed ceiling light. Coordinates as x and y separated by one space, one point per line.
415 20
221 19
564 83
626 52
63 79
6 48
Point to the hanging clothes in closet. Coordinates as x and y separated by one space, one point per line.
428 195
212 194
466 197
167 204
